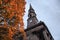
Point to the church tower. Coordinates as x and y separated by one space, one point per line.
32 19
36 30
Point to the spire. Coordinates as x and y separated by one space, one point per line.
31 7
32 19
31 12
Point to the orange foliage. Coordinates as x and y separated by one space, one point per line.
17 8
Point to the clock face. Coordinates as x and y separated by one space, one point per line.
30 20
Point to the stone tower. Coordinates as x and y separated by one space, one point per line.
36 30
32 19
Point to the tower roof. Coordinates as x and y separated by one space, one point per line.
31 8
31 12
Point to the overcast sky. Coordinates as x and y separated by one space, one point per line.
47 11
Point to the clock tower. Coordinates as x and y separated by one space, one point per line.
32 19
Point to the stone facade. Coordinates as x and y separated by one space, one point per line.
39 32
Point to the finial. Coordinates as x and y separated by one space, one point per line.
31 7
